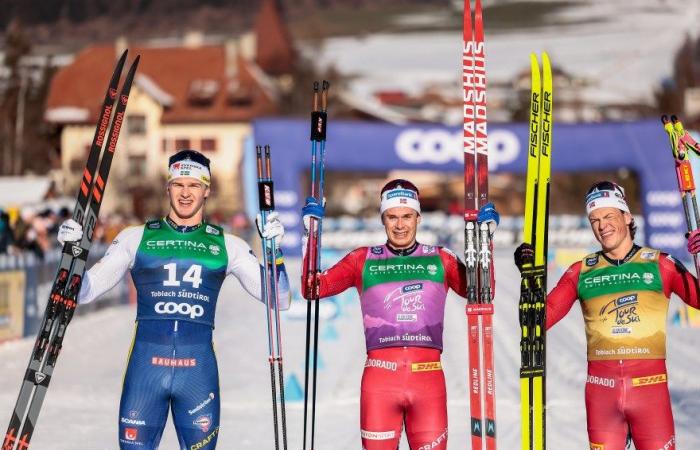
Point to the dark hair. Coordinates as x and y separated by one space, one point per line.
612 186
400 184
191 155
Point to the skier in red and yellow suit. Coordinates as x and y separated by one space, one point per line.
624 291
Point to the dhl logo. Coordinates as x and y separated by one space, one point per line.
426 366
645 381
597 446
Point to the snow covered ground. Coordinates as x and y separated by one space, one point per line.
81 408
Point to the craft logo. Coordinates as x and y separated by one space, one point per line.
377 250
203 422
436 443
211 230
592 261
428 249
206 441
623 309
131 434
647 255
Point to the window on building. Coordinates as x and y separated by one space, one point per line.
137 165
181 144
136 123
208 145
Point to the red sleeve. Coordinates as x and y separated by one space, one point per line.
563 296
677 280
455 272
344 274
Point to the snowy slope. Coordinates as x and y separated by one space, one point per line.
81 408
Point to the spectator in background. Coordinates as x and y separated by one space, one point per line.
7 239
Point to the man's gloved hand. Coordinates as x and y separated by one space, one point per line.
272 229
70 231
694 242
312 209
489 216
524 254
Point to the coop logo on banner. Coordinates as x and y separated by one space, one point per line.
439 146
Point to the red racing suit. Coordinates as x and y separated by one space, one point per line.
402 295
625 305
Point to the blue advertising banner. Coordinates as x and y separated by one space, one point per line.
641 147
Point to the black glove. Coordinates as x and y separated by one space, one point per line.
524 254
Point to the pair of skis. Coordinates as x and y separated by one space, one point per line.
477 238
66 286
319 117
270 295
533 287
682 143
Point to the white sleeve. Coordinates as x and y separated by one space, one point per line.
107 272
243 264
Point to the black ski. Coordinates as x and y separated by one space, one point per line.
63 298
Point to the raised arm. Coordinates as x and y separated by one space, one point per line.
244 265
109 270
344 274
677 280
562 297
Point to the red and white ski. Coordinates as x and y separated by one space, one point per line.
477 239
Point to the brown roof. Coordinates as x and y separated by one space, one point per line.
82 84
275 52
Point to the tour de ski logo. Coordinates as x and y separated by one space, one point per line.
623 310
592 261
410 298
377 250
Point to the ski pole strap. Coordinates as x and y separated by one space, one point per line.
533 271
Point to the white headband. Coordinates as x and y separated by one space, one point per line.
605 199
189 168
399 197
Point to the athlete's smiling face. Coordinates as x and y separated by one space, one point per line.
401 225
611 228
187 197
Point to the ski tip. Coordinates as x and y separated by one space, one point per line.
315 86
664 119
122 58
674 118
326 85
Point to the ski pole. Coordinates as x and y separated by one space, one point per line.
270 293
681 144
313 251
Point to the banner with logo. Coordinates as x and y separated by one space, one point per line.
364 146
12 304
